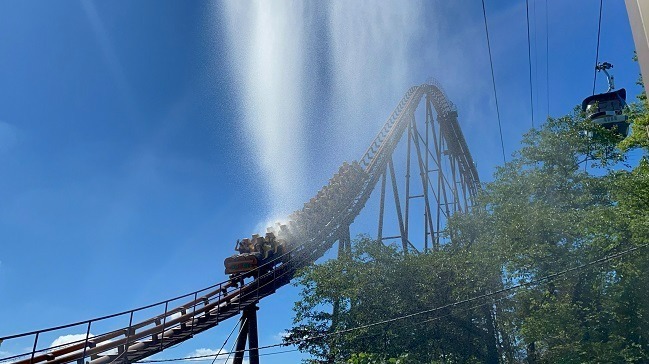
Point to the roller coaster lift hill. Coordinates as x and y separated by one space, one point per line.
265 263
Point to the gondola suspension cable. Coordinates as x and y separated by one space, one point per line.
547 58
599 30
529 56
493 81
535 20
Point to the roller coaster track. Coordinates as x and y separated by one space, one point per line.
190 314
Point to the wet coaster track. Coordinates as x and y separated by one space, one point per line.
182 317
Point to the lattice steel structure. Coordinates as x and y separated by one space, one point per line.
448 183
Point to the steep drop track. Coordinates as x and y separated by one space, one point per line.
182 317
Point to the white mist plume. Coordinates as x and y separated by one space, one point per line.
371 61
267 42
369 46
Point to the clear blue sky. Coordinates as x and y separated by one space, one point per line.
139 140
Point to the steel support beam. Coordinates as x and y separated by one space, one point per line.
395 191
428 121
406 223
248 332
382 206
240 348
344 242
422 173
438 154
253 335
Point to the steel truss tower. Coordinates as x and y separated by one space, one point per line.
440 179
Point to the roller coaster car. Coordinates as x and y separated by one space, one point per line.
242 263
252 253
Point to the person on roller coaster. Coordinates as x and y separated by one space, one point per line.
243 246
257 243
270 245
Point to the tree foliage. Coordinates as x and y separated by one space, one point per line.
638 113
544 212
377 283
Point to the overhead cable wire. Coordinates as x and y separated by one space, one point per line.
243 322
209 356
486 295
493 81
547 57
233 344
599 31
439 308
529 57
535 50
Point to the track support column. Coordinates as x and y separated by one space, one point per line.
248 331
344 242
253 335
344 251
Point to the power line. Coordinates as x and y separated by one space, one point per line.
486 295
439 308
599 29
242 321
206 357
535 29
493 81
547 57
209 356
233 344
419 322
529 56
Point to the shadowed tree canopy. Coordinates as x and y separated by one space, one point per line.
545 212
377 283
568 197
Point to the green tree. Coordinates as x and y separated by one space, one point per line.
377 283
545 213
638 113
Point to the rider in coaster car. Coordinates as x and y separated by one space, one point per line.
256 243
243 246
270 244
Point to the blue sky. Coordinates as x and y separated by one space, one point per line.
139 140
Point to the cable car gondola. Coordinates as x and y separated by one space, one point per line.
607 109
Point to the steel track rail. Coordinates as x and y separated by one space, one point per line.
227 299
